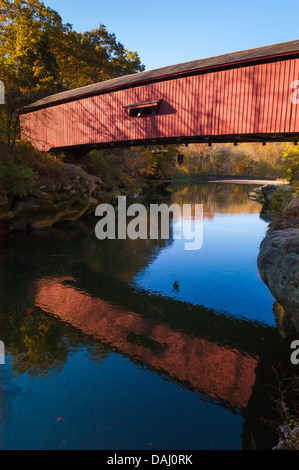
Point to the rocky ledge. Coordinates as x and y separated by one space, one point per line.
278 260
53 202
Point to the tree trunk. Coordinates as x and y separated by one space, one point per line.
13 140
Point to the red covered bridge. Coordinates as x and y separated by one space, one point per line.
240 97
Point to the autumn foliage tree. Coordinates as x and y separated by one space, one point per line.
40 55
275 160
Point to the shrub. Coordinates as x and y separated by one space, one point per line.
15 179
46 165
281 199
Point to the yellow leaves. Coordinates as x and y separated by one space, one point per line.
185 170
147 171
82 58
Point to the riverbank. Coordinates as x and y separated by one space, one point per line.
249 181
198 178
40 189
49 201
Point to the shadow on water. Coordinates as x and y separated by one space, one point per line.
63 291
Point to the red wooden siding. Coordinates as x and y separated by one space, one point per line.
248 100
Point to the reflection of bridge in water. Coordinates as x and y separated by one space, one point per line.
204 357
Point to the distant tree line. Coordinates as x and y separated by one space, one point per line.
273 160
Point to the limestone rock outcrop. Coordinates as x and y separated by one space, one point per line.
278 263
53 201
278 259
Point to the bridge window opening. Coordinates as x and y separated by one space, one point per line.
147 108
142 112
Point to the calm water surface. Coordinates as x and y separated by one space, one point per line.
127 344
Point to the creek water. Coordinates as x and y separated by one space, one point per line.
140 344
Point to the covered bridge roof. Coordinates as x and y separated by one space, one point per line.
186 68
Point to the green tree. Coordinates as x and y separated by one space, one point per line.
290 163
